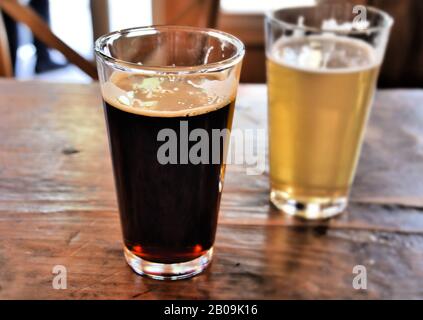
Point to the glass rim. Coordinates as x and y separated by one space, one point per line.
387 18
143 30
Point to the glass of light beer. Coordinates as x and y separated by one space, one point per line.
322 67
166 91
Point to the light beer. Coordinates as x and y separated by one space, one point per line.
320 93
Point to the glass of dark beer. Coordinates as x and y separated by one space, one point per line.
169 95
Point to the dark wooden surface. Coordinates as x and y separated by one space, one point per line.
58 207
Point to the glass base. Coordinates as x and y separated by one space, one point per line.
168 271
318 208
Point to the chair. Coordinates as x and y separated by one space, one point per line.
6 69
41 30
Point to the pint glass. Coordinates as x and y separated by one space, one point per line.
322 67
166 90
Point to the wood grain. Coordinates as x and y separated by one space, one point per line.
57 206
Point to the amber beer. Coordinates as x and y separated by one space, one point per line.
320 91
168 211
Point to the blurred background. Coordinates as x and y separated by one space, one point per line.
75 24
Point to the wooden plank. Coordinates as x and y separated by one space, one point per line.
49 163
251 262
57 206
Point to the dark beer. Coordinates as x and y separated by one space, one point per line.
168 211
169 95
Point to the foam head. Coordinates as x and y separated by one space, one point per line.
324 53
169 95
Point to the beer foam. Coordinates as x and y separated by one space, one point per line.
326 53
169 95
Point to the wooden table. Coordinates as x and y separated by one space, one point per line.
58 207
